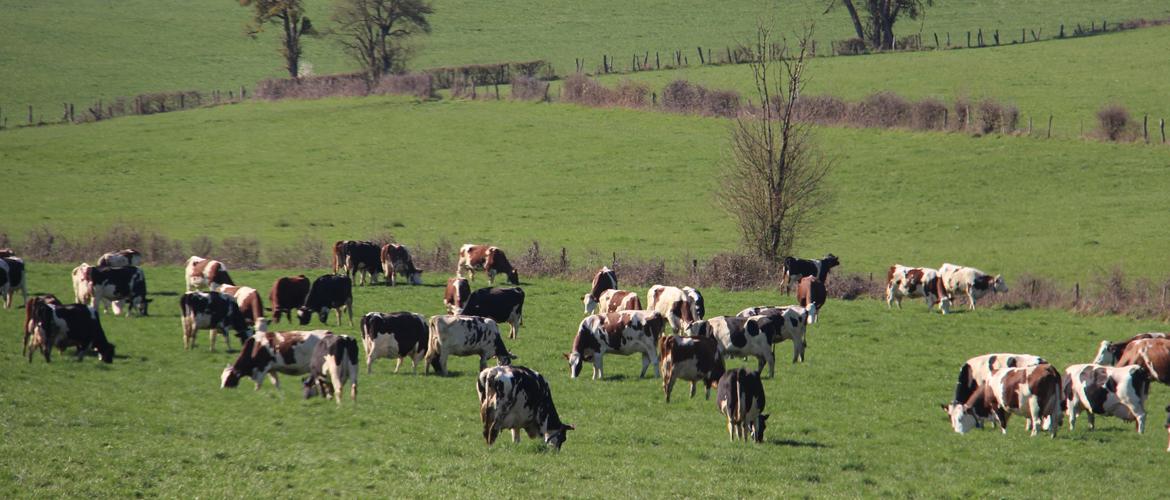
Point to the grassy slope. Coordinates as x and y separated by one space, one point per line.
53 53
859 417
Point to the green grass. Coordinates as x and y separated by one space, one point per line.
860 417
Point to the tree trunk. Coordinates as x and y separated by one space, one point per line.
856 20
291 51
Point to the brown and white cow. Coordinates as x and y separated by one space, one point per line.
913 282
334 363
7 252
458 290
1033 391
968 281
1151 352
451 335
249 301
396 260
792 323
740 397
811 295
206 273
269 353
517 398
619 300
490 259
1107 390
34 338
212 311
624 333
65 326
739 337
504 305
121 258
395 335
13 275
673 303
1110 352
288 293
603 281
977 371
694 359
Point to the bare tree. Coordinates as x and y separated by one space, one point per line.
289 15
373 31
877 29
774 179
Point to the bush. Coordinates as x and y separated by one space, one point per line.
995 117
313 87
962 113
526 88
1113 120
821 109
415 84
202 246
929 114
739 272
305 253
850 47
580 89
631 94
681 96
883 109
853 286
240 252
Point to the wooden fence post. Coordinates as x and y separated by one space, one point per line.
1061 35
1023 35
657 61
1162 125
1146 128
1077 294
1029 126
936 47
694 269
564 259
948 39
997 37
701 60
30 113
1049 126
968 39
613 262
946 111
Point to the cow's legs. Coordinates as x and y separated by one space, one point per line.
275 380
667 383
693 391
1073 409
645 365
211 332
970 299
771 361
491 277
349 310
516 436
598 371
397 364
335 379
1092 419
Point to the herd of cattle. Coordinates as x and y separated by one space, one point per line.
990 387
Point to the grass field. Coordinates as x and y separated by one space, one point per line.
859 418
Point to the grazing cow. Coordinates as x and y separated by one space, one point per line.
673 303
742 337
624 333
1153 354
13 276
1107 390
362 259
603 281
121 258
694 359
619 300
334 362
288 293
1033 391
795 269
395 335
327 292
206 273
491 259
269 353
1110 352
969 281
515 397
811 294
33 338
698 306
249 301
211 311
451 335
977 371
458 290
504 305
118 285
740 396
913 282
792 322
72 325
396 260
82 294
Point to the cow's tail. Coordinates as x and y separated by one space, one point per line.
432 357
336 255
963 387
812 312
734 401
365 326
1149 370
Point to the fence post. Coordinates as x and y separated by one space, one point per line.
1049 126
701 60
243 93
1162 125
1034 38
564 259
946 111
1077 294
654 98
1023 35
968 39
709 60
936 47
997 37
948 39
1029 126
30 113
1061 35
694 269
1146 128
613 262
657 61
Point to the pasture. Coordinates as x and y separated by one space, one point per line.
859 417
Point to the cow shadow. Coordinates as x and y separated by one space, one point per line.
797 444
166 294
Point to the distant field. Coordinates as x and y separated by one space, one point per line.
53 52
630 182
859 418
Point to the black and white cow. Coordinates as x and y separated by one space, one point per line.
752 336
72 325
740 396
396 260
450 335
971 282
269 353
1107 390
334 363
121 258
517 398
212 311
118 285
504 305
605 279
82 294
698 306
792 325
624 333
795 269
394 335
362 259
13 276
328 292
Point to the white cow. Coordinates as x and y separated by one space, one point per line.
969 281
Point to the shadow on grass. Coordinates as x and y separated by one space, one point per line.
797 444
166 294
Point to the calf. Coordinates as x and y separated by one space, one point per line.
1033 391
742 337
249 301
977 371
673 303
464 336
334 362
619 300
969 281
206 273
121 258
811 294
288 293
1110 352
116 285
791 323
913 282
694 359
34 338
362 259
13 276
396 260
740 396
456 295
504 305
211 311
515 397
327 292
65 326
491 259
625 333
795 269
1107 390
395 335
603 281
269 353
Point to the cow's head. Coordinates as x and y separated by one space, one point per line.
416 277
143 305
305 315
590 303
513 277
962 418
830 261
999 285
505 359
698 329
1106 355
315 385
575 363
229 378
105 353
554 438
758 429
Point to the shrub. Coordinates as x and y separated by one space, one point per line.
883 109
240 252
202 246
580 89
525 88
853 286
303 253
962 113
739 272
415 84
681 96
314 87
822 109
928 114
850 47
631 94
995 117
1112 121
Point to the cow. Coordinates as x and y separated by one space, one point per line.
698 306
213 311
913 282
1032 391
1153 354
619 300
504 305
396 260
33 338
740 396
450 335
362 259
288 293
792 324
269 353
977 371
1107 390
673 303
603 281
7 252
795 269
1110 352
458 290
811 294
327 292
13 275
491 259
395 335
82 293
121 258
333 363
694 359
249 301
72 325
118 286
624 333
752 336
515 397
206 273
969 281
